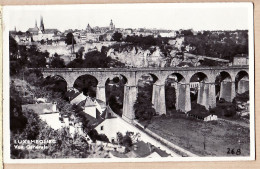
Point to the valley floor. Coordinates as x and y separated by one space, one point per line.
222 136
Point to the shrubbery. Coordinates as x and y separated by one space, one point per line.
143 107
224 109
94 59
225 45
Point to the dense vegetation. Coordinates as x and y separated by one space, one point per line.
115 94
144 43
224 45
94 59
26 124
22 56
143 106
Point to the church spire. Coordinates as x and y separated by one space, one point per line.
41 25
36 23
111 26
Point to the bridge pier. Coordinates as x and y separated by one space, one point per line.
212 95
101 93
203 95
130 95
183 97
243 85
158 98
227 90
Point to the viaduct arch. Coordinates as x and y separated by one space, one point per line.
233 79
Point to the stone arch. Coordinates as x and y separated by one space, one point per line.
150 84
55 75
59 83
242 82
139 75
114 92
146 79
87 84
177 77
175 85
199 76
223 86
148 76
199 89
124 78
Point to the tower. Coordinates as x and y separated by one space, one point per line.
111 26
41 25
36 24
88 28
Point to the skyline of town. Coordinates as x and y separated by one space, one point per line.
221 17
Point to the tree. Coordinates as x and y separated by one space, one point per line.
42 42
76 63
93 134
36 58
80 52
70 39
117 36
187 32
101 38
96 59
127 141
57 62
17 120
143 107
170 96
13 48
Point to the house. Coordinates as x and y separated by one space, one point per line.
92 107
47 34
100 105
169 34
203 116
241 59
40 33
47 112
185 64
23 38
41 100
78 97
112 124
128 31
89 107
35 30
41 108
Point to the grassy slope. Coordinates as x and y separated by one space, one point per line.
186 133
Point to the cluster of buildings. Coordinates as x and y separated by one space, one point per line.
90 34
102 118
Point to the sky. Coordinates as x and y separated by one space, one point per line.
196 16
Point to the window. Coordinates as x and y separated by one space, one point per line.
102 128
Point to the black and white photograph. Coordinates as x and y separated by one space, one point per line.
128 82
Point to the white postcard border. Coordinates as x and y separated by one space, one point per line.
6 79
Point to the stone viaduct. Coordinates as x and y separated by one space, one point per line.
234 79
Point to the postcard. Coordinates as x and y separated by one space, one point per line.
128 83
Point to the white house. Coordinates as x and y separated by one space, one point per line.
79 98
90 107
113 124
47 112
168 34
42 108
